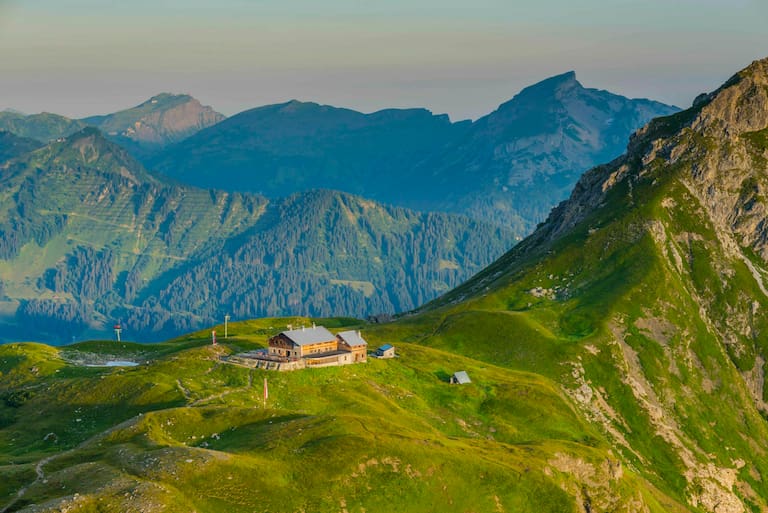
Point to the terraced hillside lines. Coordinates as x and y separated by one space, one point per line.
330 439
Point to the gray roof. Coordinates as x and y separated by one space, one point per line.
353 338
462 377
308 336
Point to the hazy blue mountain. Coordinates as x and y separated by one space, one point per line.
12 146
525 157
281 149
509 167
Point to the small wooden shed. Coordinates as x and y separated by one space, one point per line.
460 378
386 351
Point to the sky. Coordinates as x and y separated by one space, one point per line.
86 57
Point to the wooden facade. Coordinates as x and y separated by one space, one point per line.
316 347
353 342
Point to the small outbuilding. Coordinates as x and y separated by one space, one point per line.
386 351
460 378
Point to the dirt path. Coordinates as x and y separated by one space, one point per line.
184 390
40 473
202 400
39 467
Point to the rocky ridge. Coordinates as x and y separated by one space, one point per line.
162 120
658 262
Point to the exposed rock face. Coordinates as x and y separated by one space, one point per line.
658 262
173 124
161 120
721 142
532 149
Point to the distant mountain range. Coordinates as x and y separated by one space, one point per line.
162 120
88 237
43 127
510 167
516 163
280 149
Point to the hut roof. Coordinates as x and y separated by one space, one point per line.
386 347
309 336
461 377
352 338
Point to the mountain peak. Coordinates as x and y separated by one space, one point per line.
163 119
740 105
568 77
89 147
714 148
758 67
552 85
165 100
85 133
300 106
91 141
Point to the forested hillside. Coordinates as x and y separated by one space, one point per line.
89 238
327 252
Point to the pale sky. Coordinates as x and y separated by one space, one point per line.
85 57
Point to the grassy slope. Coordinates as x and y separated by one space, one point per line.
189 432
652 314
